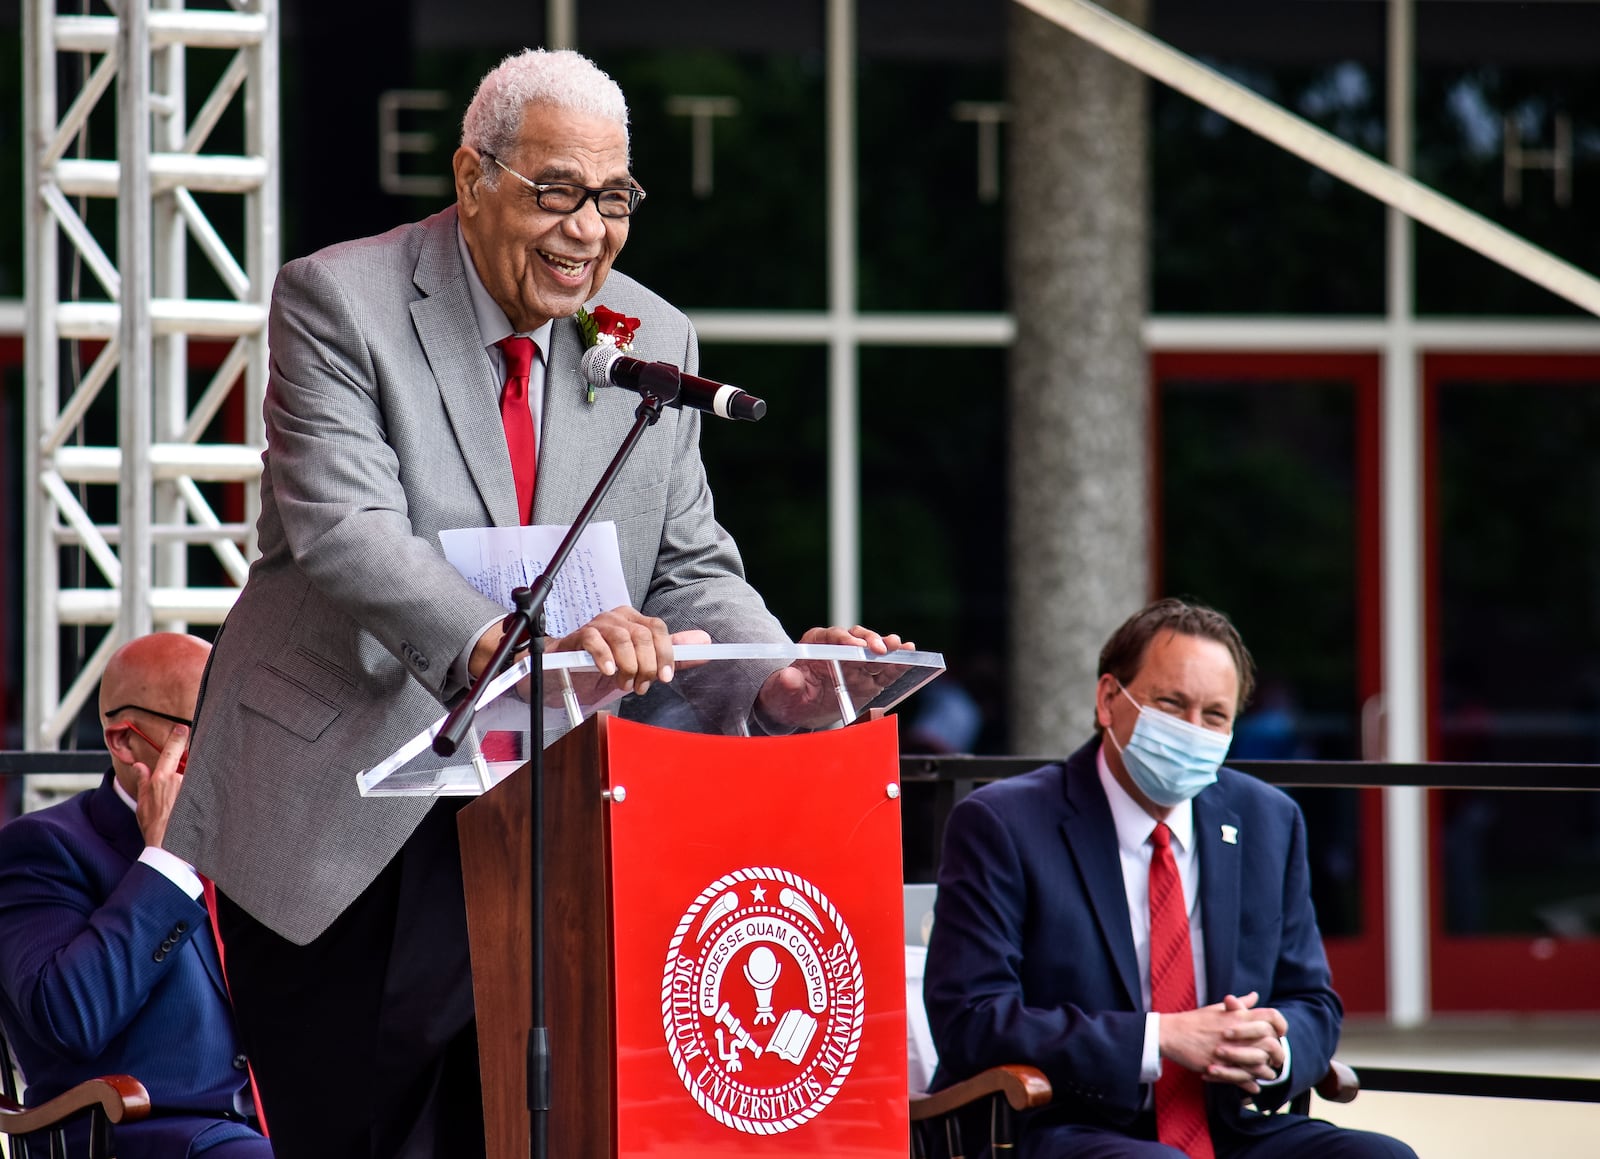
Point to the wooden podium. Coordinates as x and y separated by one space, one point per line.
724 964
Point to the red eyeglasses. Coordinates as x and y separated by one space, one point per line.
183 757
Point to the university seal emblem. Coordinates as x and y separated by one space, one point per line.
762 1000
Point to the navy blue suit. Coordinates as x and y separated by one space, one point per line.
1031 958
107 967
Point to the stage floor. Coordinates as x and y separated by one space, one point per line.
1450 1127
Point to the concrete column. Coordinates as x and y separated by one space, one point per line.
1078 238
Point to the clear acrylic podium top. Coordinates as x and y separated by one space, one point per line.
711 689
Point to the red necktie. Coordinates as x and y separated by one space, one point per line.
520 442
518 419
208 891
1180 1092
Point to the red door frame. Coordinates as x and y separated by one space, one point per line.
1357 962
1496 972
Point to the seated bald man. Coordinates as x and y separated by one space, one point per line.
1136 922
107 964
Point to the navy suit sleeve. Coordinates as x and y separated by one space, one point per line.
979 984
1301 987
74 969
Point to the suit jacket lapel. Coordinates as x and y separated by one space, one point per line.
565 472
447 328
205 945
1219 887
570 465
1091 837
115 822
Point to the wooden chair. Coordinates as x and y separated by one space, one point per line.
41 1132
1340 1085
936 1118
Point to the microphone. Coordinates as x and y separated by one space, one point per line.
607 366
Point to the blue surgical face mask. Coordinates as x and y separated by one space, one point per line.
1170 760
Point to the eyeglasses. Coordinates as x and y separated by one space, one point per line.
183 757
187 723
614 201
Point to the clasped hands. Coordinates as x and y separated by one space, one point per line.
1232 1041
632 651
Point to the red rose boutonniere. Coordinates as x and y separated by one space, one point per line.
607 326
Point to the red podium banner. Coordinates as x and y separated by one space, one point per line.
757 943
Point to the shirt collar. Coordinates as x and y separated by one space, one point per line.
127 797
1134 825
493 325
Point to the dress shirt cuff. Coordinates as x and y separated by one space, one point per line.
1150 1062
1283 1075
461 668
176 870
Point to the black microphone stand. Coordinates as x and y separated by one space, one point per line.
524 627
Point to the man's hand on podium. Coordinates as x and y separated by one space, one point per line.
631 650
637 676
803 694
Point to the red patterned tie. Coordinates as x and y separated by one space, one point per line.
208 891
1180 1092
518 419
520 442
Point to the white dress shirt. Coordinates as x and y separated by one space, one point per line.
175 869
493 325
1134 827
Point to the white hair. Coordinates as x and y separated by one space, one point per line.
566 79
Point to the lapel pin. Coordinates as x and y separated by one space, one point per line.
1230 835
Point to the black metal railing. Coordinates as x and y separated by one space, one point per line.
931 786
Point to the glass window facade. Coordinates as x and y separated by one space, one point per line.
1508 123
770 477
1262 468
1518 494
1265 495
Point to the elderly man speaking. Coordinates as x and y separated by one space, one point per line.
425 380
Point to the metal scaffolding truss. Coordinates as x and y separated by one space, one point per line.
121 487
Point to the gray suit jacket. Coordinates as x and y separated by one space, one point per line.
383 428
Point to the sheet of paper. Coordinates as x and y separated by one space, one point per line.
497 560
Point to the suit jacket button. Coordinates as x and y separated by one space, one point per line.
180 927
160 955
167 945
240 1062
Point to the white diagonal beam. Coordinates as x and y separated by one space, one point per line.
76 696
212 245
72 225
216 392
221 96
94 380
226 551
1156 59
88 533
82 105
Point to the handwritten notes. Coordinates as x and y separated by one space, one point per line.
498 560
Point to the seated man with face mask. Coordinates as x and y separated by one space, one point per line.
1137 923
